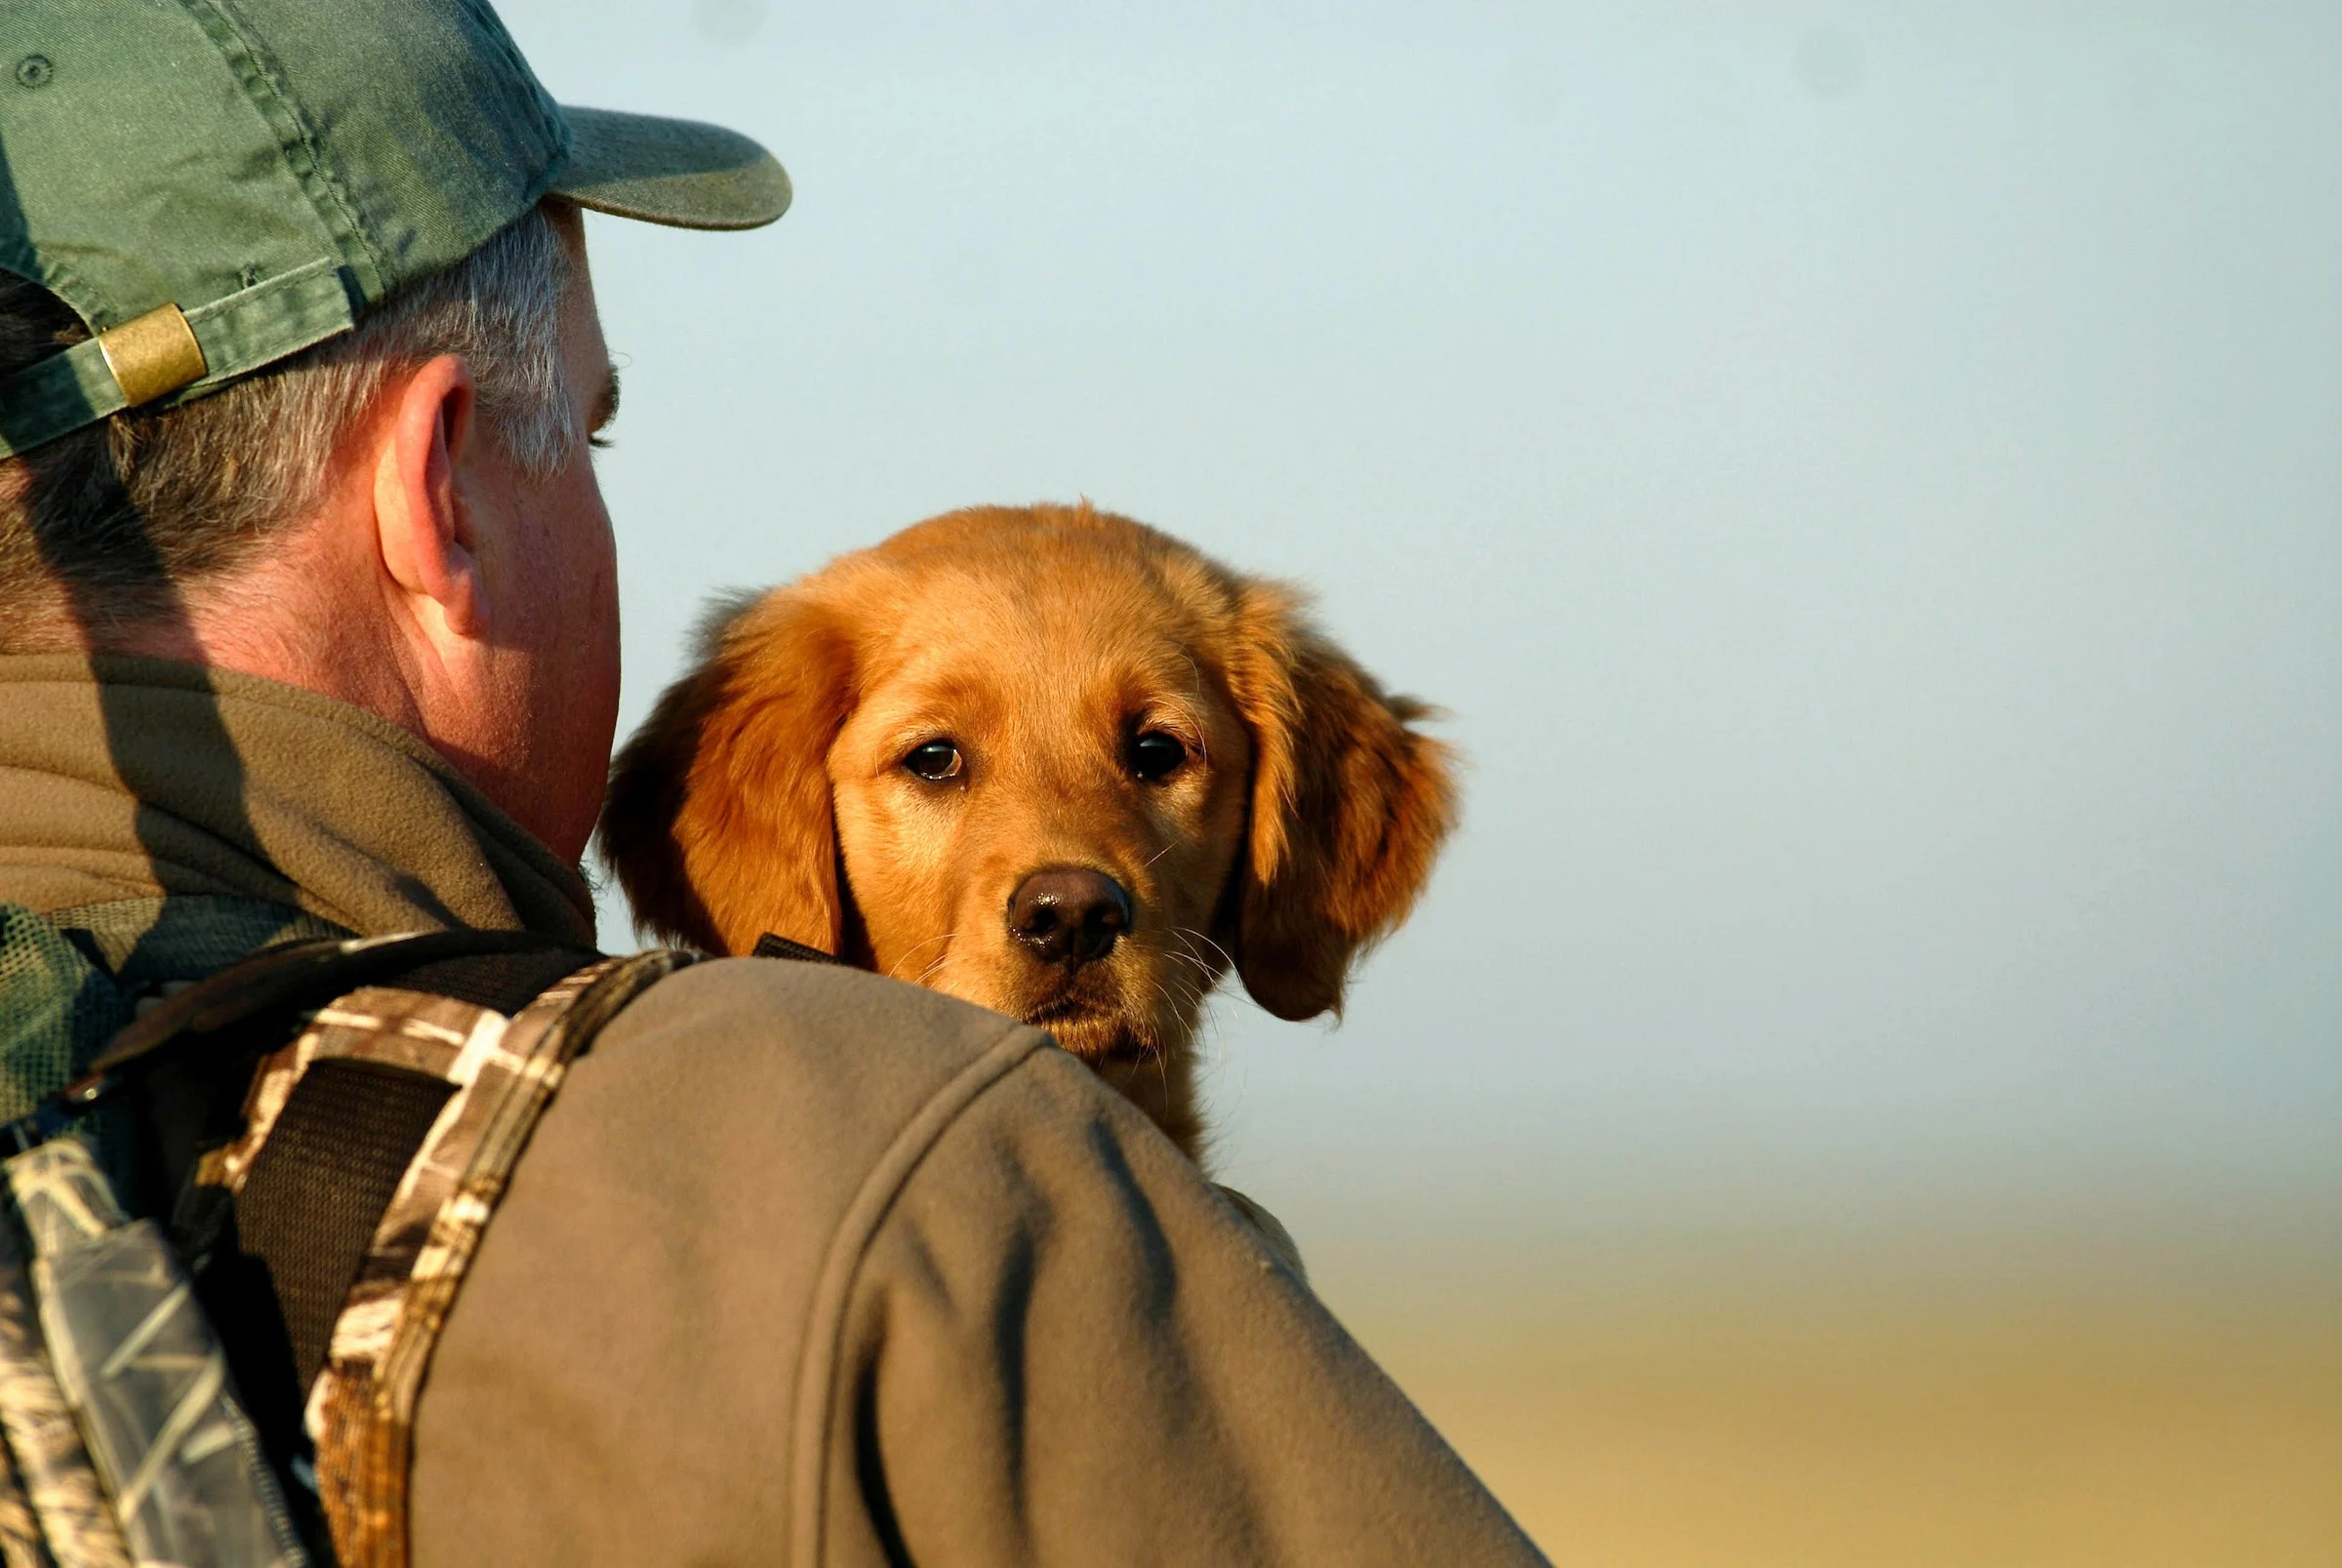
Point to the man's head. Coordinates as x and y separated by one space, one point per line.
404 517
327 417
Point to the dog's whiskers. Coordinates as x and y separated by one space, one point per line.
1186 933
905 955
1162 1058
1189 960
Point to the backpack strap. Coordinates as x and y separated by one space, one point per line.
333 1190
373 1151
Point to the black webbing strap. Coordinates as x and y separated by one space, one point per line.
320 1187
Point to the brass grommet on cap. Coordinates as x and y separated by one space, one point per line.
152 354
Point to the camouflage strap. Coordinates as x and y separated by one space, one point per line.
69 1508
20 1542
504 1071
145 1375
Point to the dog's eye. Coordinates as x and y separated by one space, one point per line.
1154 754
935 761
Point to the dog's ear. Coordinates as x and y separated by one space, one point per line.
718 822
1349 804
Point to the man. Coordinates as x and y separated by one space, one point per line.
308 627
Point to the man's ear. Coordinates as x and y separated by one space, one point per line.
422 527
718 822
1350 804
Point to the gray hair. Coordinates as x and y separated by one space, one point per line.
121 517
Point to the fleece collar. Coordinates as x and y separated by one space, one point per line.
134 778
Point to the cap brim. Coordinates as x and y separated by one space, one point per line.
674 172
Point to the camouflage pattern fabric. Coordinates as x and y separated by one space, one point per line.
44 1441
145 1375
20 1542
361 1410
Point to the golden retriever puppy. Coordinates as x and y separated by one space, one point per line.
1048 760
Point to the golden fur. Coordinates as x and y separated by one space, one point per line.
769 792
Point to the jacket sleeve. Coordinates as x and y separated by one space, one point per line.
1063 1346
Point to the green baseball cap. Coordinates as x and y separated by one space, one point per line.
214 184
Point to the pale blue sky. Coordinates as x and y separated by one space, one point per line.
1867 480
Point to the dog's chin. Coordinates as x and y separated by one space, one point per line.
1094 1035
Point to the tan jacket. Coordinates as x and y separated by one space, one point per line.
803 1266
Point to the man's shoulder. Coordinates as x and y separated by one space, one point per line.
654 1268
847 1057
759 1003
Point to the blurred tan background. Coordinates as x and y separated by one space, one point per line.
1717 1408
1866 479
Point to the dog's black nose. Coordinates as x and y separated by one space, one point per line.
1068 914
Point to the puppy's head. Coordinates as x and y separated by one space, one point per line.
1048 760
